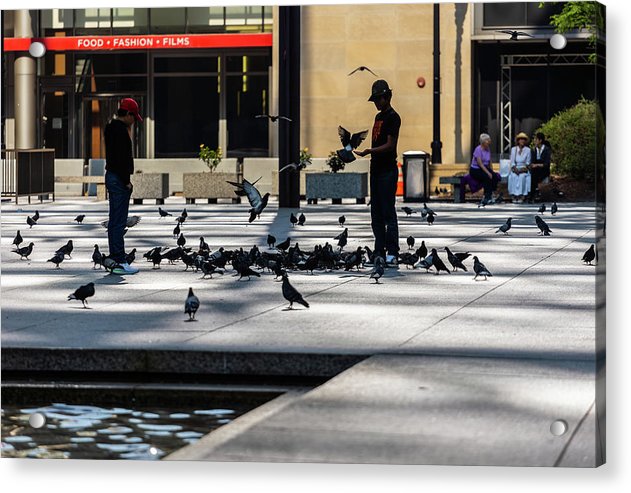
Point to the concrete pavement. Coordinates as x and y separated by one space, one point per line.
534 320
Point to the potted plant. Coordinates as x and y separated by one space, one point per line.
335 185
209 185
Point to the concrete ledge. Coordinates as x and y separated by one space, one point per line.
177 362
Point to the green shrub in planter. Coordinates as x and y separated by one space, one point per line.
577 136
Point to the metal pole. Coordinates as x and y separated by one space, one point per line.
436 143
289 105
24 79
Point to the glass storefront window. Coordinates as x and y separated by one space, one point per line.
204 19
244 16
168 21
246 97
56 19
92 21
519 14
166 64
130 21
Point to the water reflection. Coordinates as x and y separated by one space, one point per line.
90 432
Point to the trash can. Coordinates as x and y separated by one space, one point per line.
415 176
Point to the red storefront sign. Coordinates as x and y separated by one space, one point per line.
148 42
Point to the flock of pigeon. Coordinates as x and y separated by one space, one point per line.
280 257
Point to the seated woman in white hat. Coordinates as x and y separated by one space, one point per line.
519 178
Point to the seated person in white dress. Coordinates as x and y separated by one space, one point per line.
519 178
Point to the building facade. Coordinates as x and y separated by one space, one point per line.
202 74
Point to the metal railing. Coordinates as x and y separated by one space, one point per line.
27 172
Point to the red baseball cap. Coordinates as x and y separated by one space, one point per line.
131 105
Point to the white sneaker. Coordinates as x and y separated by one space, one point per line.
124 269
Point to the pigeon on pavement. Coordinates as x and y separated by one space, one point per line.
24 252
163 213
57 259
191 305
18 239
341 220
554 208
542 208
543 226
480 269
505 227
589 255
284 245
455 262
422 250
438 263
30 221
80 218
83 293
97 257
293 219
301 219
410 241
291 294
378 269
408 211
271 241
66 249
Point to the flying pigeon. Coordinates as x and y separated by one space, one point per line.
18 239
294 166
455 262
543 226
554 208
408 211
257 202
301 219
191 305
293 219
341 220
291 294
83 293
410 242
24 252
505 227
480 269
97 257
349 142
131 222
362 68
163 213
57 259
589 255
273 118
378 269
80 218
514 35
271 241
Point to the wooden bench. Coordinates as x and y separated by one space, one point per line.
458 184
101 190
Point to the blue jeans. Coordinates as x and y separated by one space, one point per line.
119 196
383 213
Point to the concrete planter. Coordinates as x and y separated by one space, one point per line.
337 186
211 186
150 186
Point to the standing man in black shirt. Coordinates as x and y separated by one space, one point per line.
119 166
384 173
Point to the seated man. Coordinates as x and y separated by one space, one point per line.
540 164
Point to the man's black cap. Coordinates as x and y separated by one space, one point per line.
379 88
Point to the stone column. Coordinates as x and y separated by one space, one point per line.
25 90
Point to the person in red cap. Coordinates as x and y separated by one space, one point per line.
384 173
119 166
